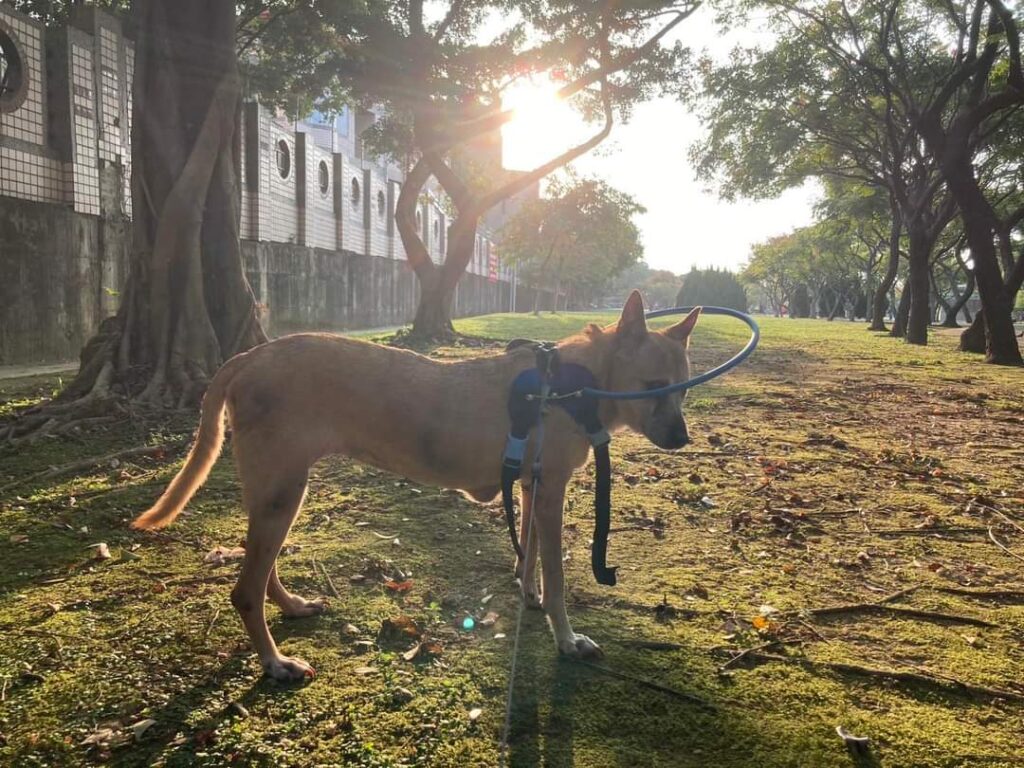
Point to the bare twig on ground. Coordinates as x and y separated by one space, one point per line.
898 594
1003 547
754 649
327 578
647 684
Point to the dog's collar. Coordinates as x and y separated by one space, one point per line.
527 401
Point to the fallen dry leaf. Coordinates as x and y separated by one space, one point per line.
139 728
398 586
221 555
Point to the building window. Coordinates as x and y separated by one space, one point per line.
419 221
355 191
284 159
382 204
13 76
324 178
437 230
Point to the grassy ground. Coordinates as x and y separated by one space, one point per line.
837 467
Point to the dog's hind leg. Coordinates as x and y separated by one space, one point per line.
272 500
292 606
547 520
526 570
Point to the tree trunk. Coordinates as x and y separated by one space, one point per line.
881 300
918 284
960 303
840 302
433 313
899 322
972 338
186 306
979 222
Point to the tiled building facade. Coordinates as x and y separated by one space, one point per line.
65 130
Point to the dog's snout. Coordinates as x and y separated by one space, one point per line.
680 435
671 438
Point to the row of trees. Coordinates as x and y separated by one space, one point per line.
436 70
837 266
910 110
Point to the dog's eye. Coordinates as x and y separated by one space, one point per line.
649 385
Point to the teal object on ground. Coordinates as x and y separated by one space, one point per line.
468 623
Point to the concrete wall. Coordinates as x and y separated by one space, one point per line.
62 272
304 288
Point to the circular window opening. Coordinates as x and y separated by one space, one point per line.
13 77
324 178
382 203
355 191
284 158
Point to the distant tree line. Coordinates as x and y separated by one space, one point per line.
909 113
713 287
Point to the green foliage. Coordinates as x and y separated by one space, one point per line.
716 287
658 286
580 236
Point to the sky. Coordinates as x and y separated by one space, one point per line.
686 225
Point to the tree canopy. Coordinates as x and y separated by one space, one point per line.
715 287
578 237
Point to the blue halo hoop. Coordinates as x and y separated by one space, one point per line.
728 365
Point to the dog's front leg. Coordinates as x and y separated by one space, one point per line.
526 570
547 521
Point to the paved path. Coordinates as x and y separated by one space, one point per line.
22 371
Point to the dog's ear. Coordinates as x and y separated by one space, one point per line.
632 324
681 331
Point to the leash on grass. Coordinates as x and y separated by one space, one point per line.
546 363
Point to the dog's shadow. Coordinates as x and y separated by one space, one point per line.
542 735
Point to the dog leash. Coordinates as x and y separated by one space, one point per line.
548 361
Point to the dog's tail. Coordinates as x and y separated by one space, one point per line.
205 450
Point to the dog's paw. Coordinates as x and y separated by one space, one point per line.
580 647
532 600
300 608
288 670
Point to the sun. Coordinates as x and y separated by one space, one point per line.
543 126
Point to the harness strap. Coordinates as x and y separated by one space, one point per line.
528 398
524 414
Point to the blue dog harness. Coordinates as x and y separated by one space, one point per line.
554 381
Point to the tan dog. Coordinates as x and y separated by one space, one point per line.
306 396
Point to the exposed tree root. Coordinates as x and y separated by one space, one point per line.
903 676
895 610
130 453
